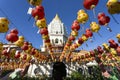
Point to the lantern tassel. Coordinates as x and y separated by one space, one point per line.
108 28
91 39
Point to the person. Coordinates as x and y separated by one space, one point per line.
59 71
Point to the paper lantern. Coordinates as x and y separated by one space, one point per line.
35 2
82 16
4 25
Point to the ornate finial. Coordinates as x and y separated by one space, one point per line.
57 17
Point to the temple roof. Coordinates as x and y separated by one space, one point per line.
57 18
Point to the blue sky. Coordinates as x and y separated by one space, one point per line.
16 11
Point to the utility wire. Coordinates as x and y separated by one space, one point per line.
14 26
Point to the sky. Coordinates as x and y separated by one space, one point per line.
16 12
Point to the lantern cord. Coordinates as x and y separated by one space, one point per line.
94 13
115 19
99 34
29 18
88 15
108 28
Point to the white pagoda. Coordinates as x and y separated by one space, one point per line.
57 34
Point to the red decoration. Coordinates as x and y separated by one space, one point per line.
17 55
104 20
118 50
24 56
92 54
101 15
24 47
113 44
100 50
87 55
75 45
38 11
33 51
75 25
12 37
14 31
88 33
4 52
44 31
71 38
80 41
26 42
90 4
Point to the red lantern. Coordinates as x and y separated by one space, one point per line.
90 4
71 38
118 50
44 31
24 56
17 55
38 12
26 43
100 50
87 55
80 41
4 52
92 54
75 25
68 44
12 37
113 44
24 47
99 56
104 20
88 33
101 15
14 31
47 41
33 51
75 45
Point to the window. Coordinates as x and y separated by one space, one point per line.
56 40
56 32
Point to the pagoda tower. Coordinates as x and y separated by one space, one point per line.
58 34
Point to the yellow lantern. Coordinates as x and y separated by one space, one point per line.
12 53
94 27
84 38
113 51
4 25
105 46
113 6
21 38
35 2
118 37
74 33
20 41
41 23
1 47
29 49
82 16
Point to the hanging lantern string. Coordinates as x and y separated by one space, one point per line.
88 15
115 19
14 26
94 13
106 39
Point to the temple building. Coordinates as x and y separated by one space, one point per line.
58 34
